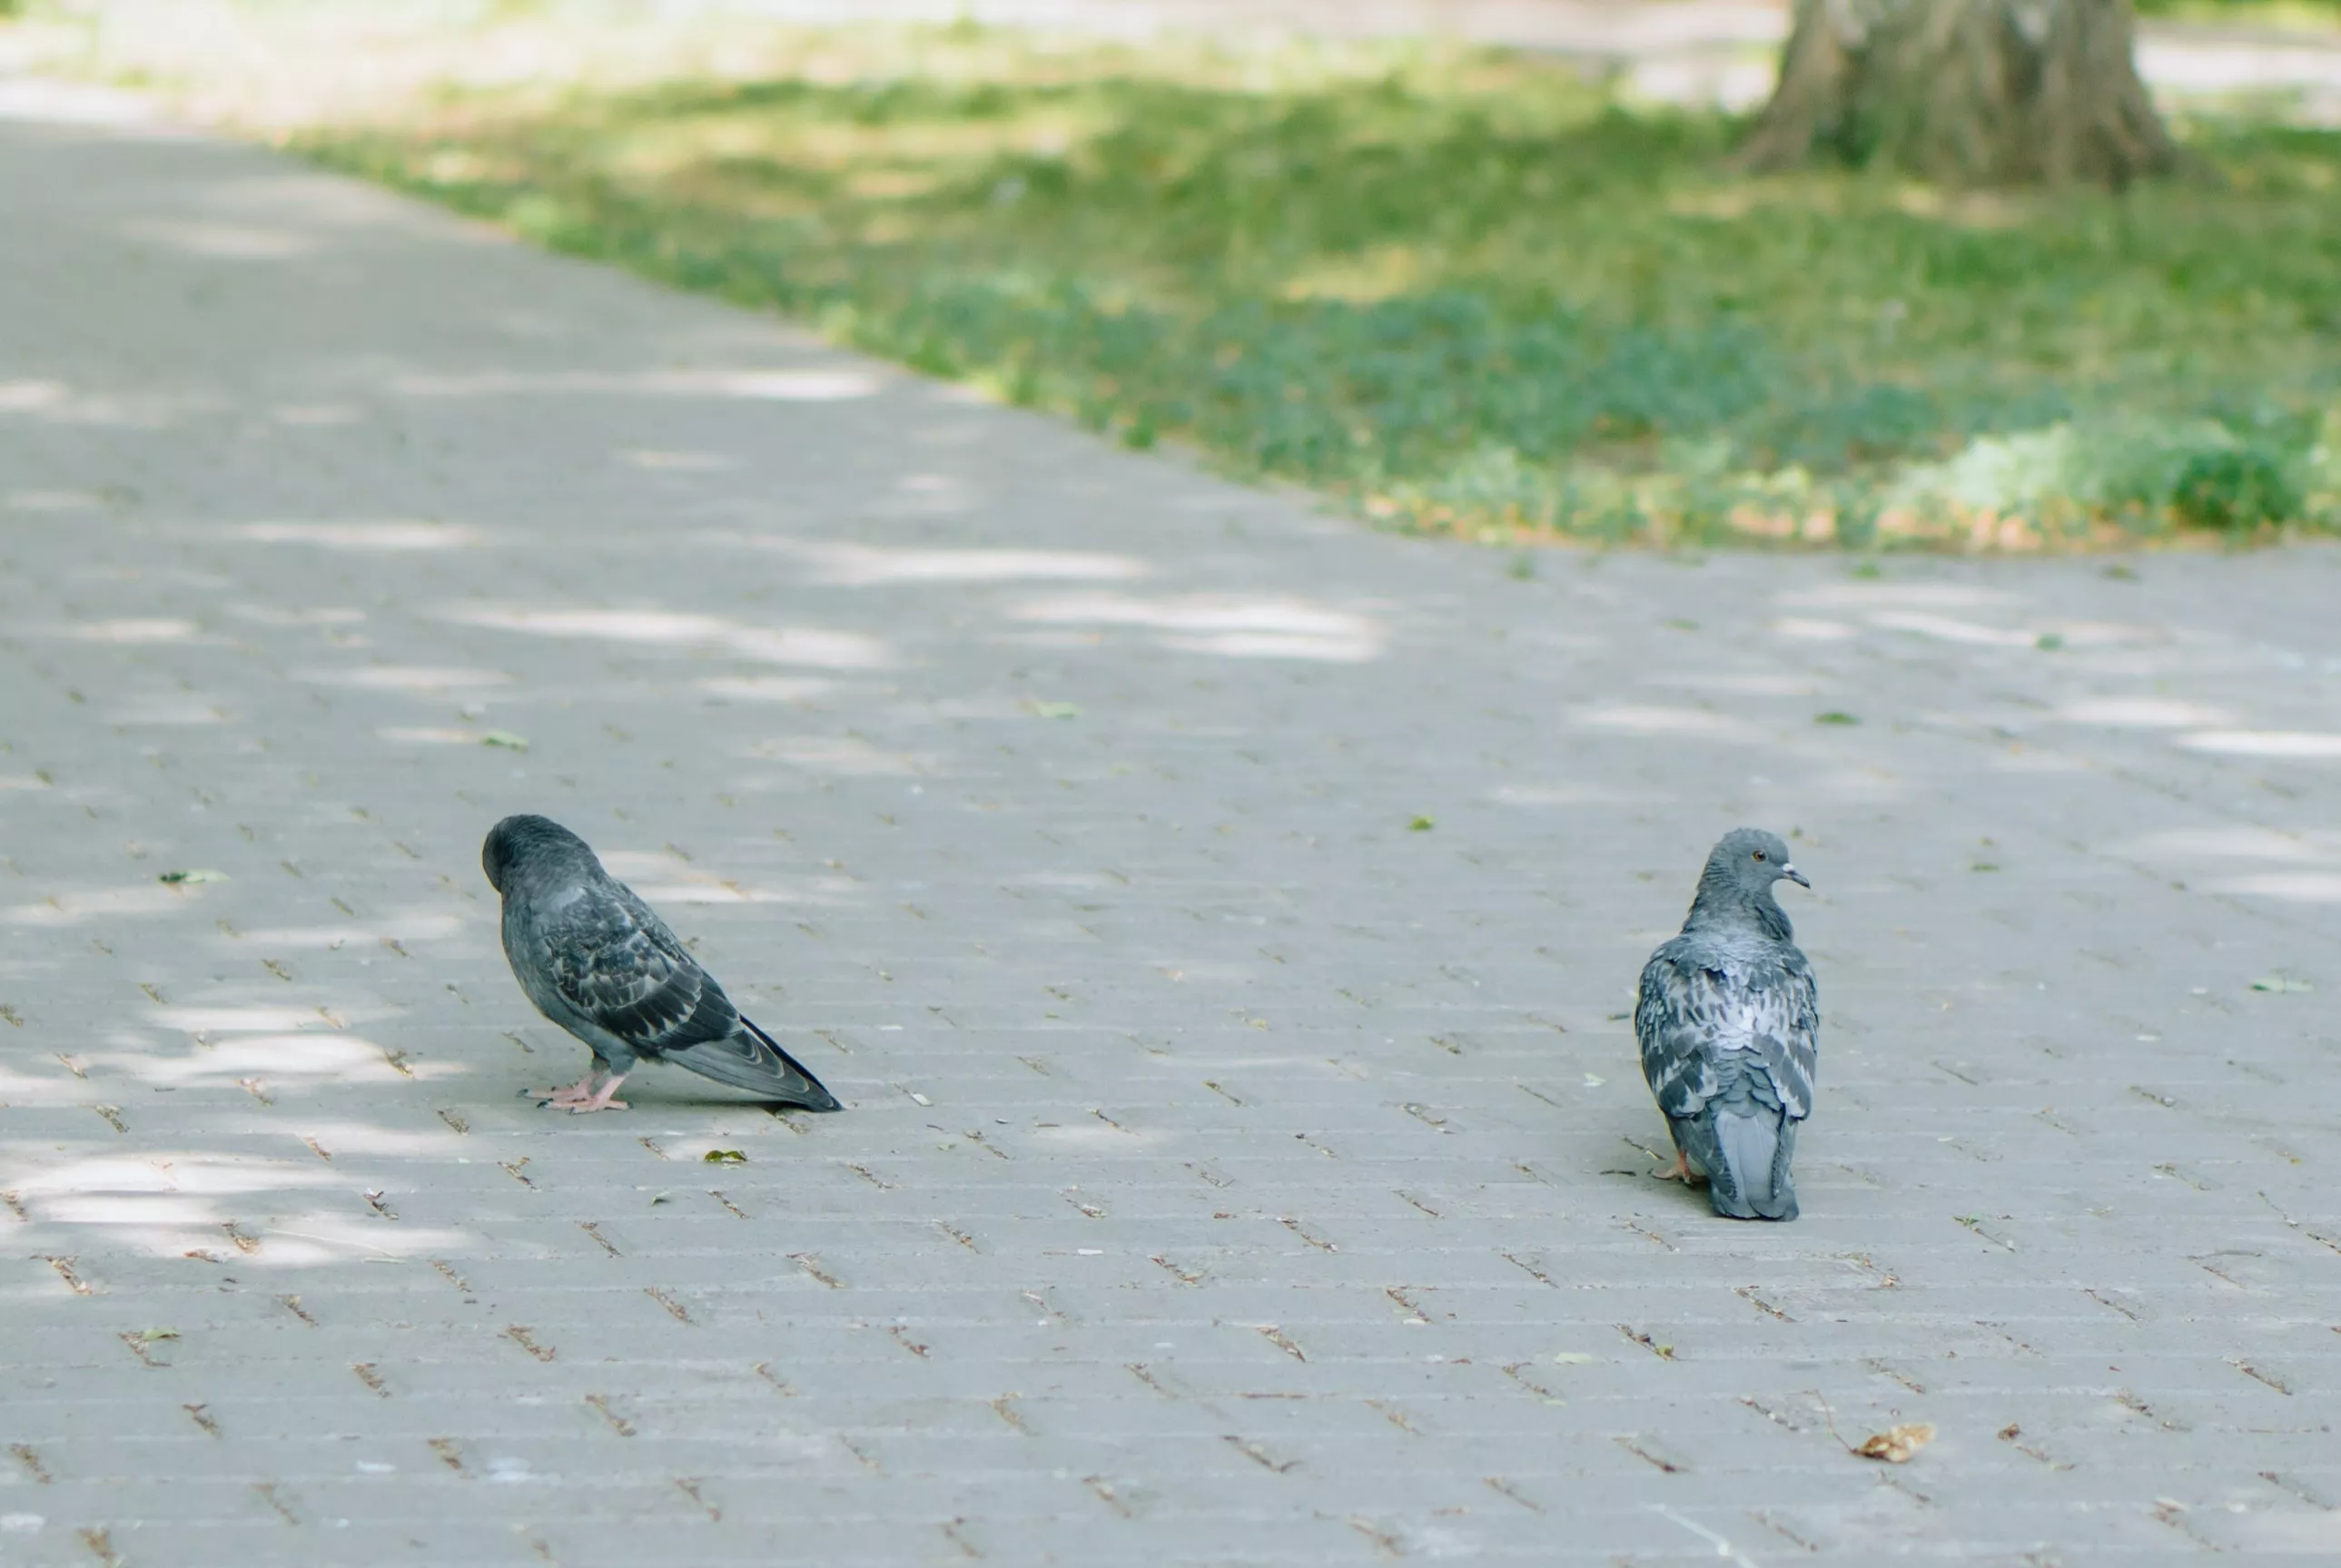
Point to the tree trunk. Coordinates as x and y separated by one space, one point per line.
1966 93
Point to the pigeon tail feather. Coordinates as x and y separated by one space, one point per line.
752 1060
1749 1179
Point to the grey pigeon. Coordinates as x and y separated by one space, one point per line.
1729 1022
595 960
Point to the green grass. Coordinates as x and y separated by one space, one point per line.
2292 13
1459 290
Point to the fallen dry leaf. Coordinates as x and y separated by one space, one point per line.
1896 1444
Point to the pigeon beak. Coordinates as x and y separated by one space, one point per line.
1793 875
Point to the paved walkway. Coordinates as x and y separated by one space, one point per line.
1682 51
1233 1175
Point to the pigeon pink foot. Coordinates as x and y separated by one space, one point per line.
600 1100
575 1094
1681 1171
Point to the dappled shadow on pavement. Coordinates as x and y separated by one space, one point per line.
1218 920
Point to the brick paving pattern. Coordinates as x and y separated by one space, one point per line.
1234 1172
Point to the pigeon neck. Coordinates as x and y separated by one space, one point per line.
550 868
1725 904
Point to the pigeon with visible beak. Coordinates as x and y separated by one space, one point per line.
596 960
1729 1018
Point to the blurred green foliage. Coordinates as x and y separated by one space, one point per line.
2276 13
1463 289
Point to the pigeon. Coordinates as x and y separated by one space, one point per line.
1729 1019
596 960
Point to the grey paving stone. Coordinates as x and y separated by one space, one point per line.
1233 1175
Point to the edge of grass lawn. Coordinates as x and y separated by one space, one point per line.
1480 404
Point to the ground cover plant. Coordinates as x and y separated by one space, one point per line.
2301 15
1446 289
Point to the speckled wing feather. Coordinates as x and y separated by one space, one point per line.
615 961
1709 1013
752 1060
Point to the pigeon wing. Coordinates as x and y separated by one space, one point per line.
1674 1021
615 961
1782 1006
754 1060
1689 1001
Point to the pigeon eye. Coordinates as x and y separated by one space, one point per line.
1759 854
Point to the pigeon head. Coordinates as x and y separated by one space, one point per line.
1748 861
516 840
